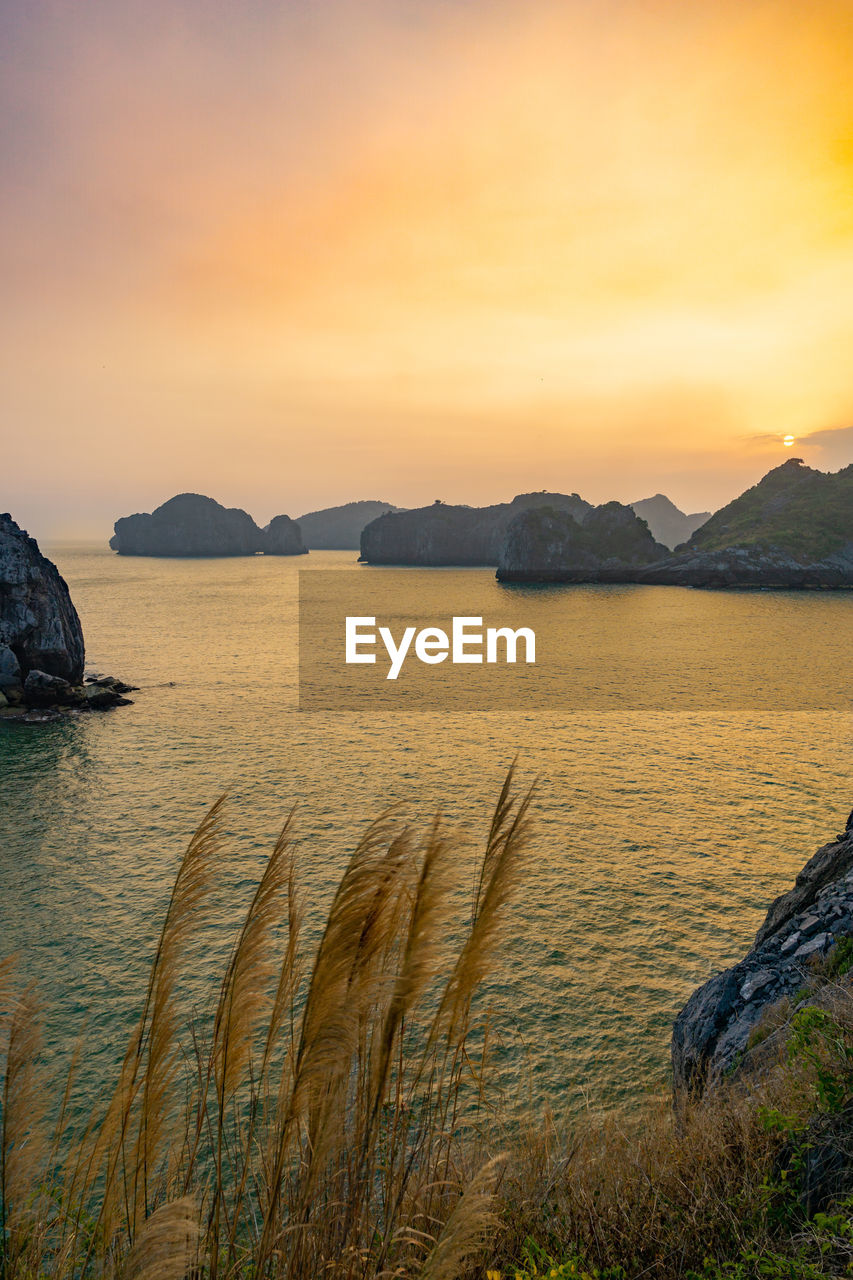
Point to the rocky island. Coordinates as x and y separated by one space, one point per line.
794 529
607 544
340 528
442 534
668 524
42 653
193 525
730 1023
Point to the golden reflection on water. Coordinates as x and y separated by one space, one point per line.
661 836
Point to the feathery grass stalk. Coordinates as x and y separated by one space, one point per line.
333 1127
318 1121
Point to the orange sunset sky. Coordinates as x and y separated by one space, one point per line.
292 254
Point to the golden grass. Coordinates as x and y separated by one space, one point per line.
314 1128
328 1121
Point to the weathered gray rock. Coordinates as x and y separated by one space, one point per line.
41 640
105 693
607 544
10 668
752 567
44 690
38 622
712 1032
454 535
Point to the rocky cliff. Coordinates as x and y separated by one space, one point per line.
193 525
607 544
751 567
41 640
339 528
39 626
453 535
793 510
731 1018
794 529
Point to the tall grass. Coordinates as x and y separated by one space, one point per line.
328 1118
313 1128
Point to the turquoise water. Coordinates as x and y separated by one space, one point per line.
661 835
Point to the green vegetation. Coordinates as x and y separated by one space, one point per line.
338 1119
807 513
609 531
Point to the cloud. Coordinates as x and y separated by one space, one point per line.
835 445
532 233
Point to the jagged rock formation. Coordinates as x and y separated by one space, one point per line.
794 509
751 567
792 529
667 523
41 640
453 535
718 1028
339 528
607 544
39 626
283 537
193 525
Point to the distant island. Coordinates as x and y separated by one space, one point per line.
793 529
667 524
339 528
609 543
442 534
193 525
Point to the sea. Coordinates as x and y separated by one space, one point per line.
662 831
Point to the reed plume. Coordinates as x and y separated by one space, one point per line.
24 1145
314 1124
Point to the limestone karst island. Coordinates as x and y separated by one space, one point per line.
426 640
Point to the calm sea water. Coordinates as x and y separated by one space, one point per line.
661 835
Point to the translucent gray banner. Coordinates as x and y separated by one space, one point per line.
445 639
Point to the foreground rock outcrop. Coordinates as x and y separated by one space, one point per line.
193 525
39 626
722 1022
42 652
454 535
607 544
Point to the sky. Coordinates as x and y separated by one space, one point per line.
293 254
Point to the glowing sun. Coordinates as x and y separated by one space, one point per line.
788 441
